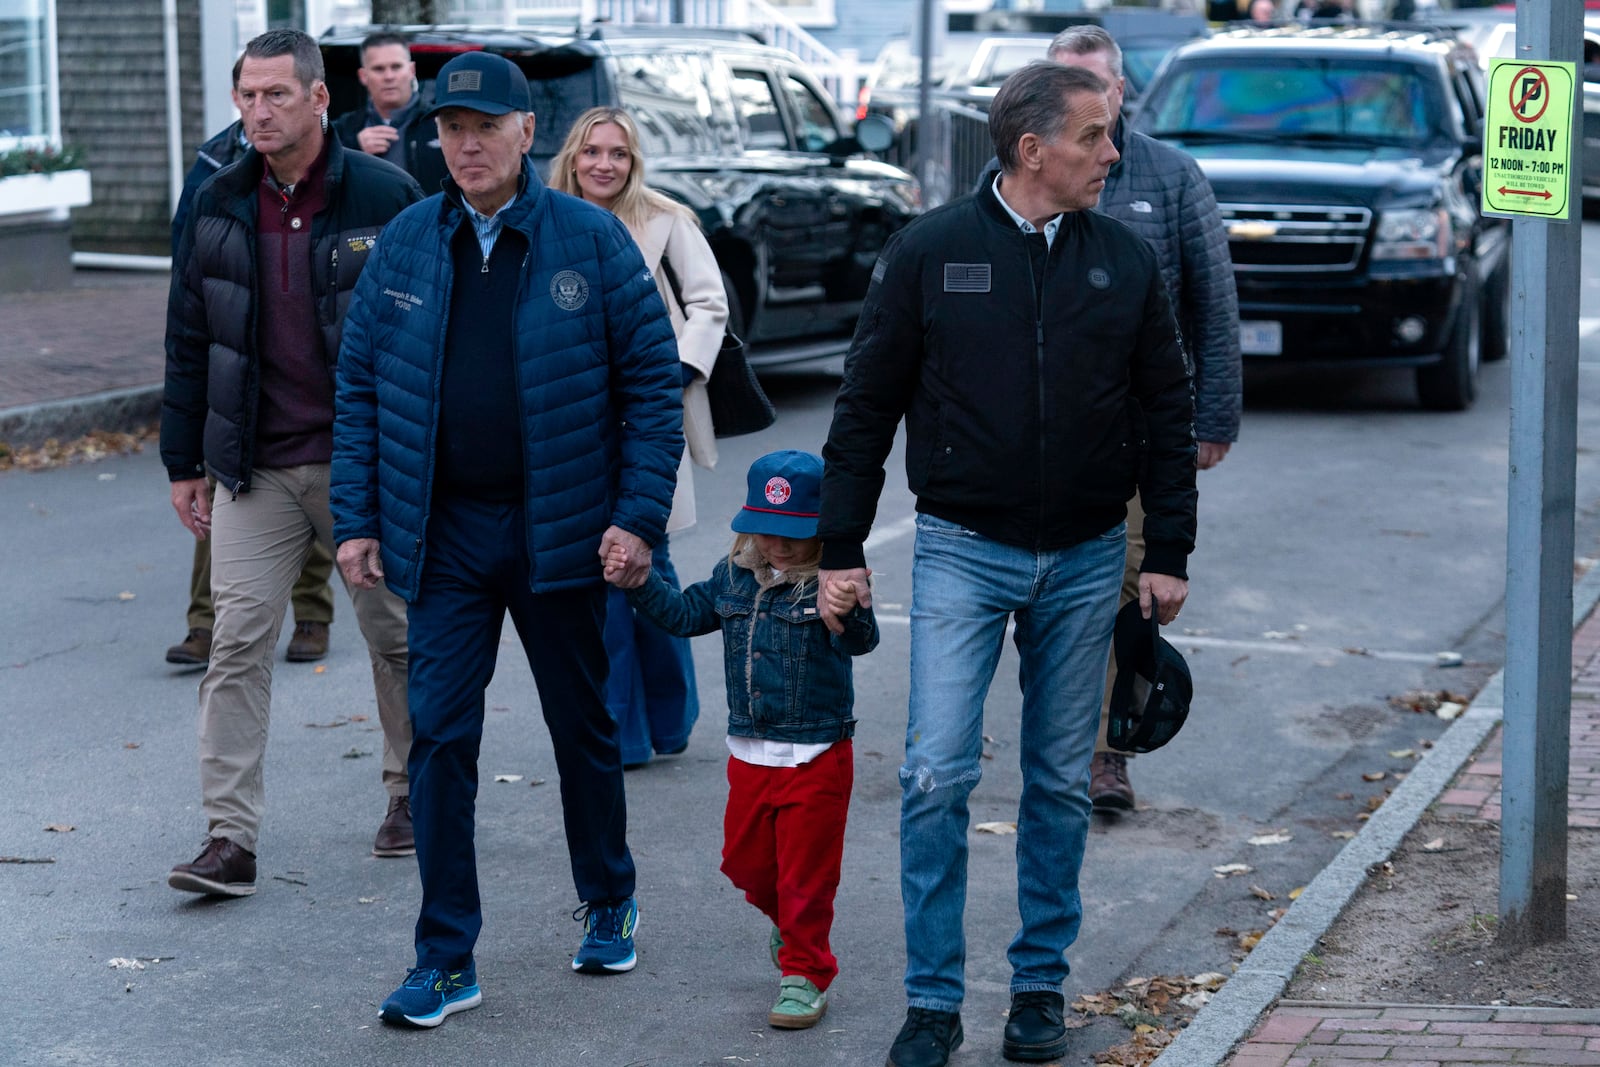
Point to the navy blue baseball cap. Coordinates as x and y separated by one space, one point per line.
784 496
481 81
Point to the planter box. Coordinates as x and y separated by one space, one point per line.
30 194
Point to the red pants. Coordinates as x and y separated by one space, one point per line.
783 839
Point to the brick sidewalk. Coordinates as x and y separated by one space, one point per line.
1475 793
1313 1035
105 333
1302 1034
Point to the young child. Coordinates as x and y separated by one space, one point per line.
789 717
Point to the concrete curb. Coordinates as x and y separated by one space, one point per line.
119 410
1229 1017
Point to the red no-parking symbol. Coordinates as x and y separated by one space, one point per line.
1528 87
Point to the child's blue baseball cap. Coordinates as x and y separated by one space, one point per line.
784 496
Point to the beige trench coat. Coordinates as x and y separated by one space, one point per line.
699 325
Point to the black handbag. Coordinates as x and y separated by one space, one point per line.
738 403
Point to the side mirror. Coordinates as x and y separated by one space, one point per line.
874 133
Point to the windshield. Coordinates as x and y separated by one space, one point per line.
1140 60
1293 98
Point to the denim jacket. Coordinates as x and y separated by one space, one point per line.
788 676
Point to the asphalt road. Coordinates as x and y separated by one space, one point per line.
1346 541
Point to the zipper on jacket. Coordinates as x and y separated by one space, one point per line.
283 231
1037 286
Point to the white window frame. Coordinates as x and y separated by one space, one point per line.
51 137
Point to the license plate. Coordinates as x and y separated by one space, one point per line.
1261 338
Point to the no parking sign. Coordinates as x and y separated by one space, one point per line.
1527 139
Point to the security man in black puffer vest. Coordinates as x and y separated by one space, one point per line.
268 258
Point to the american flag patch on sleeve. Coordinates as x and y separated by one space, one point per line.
966 277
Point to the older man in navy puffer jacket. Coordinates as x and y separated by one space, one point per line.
508 409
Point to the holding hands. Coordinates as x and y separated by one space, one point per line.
624 558
839 592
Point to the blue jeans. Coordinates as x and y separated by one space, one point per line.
964 587
650 690
476 572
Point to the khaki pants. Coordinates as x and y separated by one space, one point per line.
259 542
312 597
1130 591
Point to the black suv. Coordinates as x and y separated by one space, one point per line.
1347 163
740 132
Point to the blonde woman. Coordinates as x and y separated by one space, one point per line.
652 689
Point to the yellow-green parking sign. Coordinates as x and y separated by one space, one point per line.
1527 139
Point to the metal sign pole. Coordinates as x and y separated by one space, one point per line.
1539 548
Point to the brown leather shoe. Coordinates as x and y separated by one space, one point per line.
192 651
309 643
223 868
395 837
1109 789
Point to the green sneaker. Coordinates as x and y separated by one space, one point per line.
774 943
800 1004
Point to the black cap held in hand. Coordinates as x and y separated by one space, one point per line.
1150 698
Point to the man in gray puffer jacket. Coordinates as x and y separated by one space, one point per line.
1162 195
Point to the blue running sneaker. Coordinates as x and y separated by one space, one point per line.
608 931
428 995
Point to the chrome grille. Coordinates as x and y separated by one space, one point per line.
1284 238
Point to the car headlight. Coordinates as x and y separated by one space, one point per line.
1413 234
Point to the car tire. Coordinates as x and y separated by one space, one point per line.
1452 383
1497 314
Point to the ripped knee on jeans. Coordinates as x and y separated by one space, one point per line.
926 781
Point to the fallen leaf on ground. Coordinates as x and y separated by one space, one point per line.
358 718
1250 938
996 828
59 828
1401 753
1374 776
1257 891
322 668
1434 846
123 963
1228 869
508 777
1277 837
124 595
1343 835
328 725
1450 710
1294 894
92 446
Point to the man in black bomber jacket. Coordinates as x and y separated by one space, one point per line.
1014 331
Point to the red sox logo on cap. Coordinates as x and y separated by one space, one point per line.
777 490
